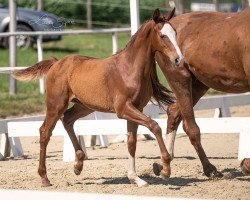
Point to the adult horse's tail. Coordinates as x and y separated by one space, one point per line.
160 93
35 71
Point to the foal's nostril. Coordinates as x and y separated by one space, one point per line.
177 61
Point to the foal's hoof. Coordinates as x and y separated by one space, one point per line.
139 182
77 172
245 166
158 171
46 183
164 175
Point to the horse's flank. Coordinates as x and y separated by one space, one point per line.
217 48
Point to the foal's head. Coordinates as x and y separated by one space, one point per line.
164 37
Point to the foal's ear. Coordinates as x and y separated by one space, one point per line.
156 15
170 14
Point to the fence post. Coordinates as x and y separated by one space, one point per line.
134 16
12 44
114 43
40 58
180 8
40 49
89 14
216 5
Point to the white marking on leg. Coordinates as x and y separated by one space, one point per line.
170 143
132 176
168 30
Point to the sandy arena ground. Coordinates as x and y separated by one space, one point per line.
105 170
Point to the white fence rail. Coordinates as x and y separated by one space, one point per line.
105 124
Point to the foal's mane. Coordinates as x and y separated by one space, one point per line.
133 38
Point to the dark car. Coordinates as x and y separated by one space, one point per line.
29 20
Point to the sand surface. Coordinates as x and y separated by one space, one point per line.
105 170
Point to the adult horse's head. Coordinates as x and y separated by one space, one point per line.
164 39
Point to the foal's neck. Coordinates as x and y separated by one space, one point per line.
139 51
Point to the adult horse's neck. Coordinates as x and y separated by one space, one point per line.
139 52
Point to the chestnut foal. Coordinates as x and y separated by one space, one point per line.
123 83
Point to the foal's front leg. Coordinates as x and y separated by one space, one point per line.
132 139
129 112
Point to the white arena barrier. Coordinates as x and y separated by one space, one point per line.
244 144
41 195
101 129
119 126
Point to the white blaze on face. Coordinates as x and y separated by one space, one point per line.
168 31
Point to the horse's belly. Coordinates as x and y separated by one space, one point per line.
95 100
93 92
224 83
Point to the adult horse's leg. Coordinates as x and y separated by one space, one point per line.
174 115
180 80
70 116
53 113
127 111
132 139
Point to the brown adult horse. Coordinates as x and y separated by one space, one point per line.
216 47
122 83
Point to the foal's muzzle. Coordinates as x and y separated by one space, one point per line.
177 61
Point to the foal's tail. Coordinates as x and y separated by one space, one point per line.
35 71
160 93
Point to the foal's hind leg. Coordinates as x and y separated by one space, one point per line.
132 139
174 115
53 114
70 116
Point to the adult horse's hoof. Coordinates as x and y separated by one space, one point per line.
215 175
245 166
211 172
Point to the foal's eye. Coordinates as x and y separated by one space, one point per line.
162 36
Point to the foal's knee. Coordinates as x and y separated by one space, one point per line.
155 128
